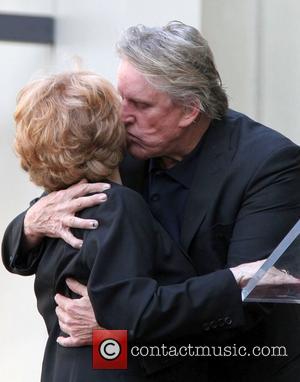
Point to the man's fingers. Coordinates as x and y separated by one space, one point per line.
82 188
87 201
82 181
68 341
69 238
62 301
53 214
75 222
76 287
65 328
65 319
61 315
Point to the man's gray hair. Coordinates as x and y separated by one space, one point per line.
176 59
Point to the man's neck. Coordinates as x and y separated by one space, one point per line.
167 162
189 141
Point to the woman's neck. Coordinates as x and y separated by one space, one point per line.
115 176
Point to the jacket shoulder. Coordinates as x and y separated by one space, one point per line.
254 140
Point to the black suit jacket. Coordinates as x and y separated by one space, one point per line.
244 198
116 263
130 266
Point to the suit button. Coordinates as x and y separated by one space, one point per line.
221 322
206 327
155 198
213 324
228 321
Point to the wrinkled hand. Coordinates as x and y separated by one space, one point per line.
275 276
277 285
54 214
76 317
244 272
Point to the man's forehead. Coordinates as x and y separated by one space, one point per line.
128 73
131 81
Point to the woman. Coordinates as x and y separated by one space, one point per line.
69 128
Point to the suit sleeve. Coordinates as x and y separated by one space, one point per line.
124 293
270 208
15 258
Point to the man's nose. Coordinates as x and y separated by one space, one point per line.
126 114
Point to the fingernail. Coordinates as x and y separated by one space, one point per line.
106 187
102 197
94 224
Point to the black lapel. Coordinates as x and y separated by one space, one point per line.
213 164
133 173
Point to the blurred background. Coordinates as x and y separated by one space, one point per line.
257 51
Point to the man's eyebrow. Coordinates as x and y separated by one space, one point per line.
139 100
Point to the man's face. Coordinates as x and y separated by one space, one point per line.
153 122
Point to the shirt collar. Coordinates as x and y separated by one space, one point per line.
182 172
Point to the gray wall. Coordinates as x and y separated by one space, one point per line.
22 332
256 46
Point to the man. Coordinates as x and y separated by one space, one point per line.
225 188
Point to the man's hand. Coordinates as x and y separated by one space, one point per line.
244 272
76 317
54 214
275 277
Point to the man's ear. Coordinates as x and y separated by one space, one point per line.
191 113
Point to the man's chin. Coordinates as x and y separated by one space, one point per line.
138 152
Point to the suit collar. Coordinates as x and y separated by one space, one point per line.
213 164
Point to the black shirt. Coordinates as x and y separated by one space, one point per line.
166 190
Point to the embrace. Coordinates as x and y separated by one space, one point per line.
160 204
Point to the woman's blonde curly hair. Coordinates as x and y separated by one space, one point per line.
69 128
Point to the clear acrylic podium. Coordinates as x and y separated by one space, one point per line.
278 279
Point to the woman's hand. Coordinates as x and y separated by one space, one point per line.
54 214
